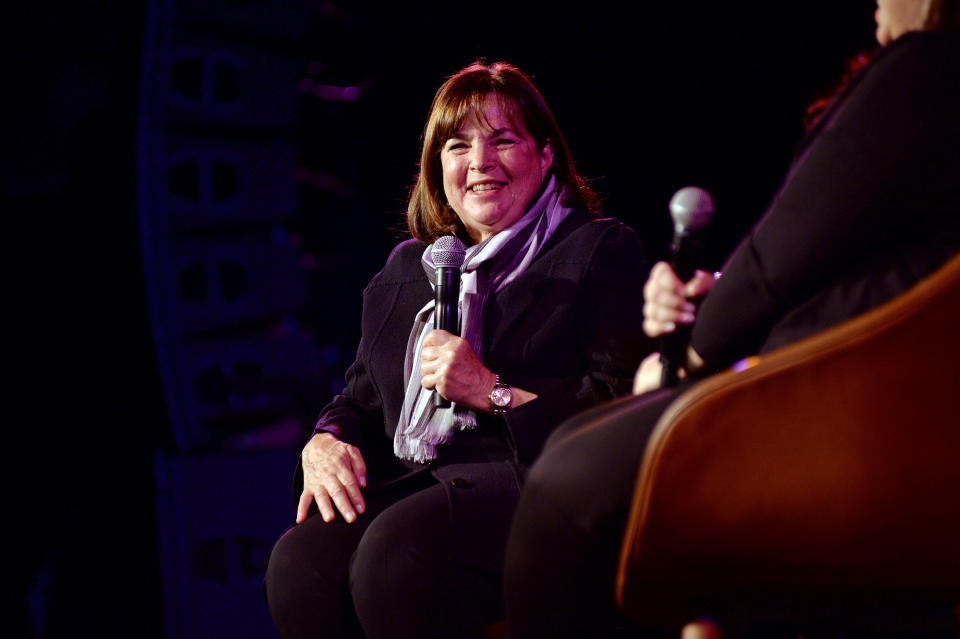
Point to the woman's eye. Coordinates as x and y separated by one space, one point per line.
506 142
456 146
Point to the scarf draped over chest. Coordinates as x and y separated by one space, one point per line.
487 268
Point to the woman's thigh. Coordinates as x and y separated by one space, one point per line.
416 571
306 582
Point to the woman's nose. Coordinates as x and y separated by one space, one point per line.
481 157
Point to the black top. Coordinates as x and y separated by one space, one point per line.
567 329
870 206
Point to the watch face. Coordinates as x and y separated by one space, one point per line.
500 396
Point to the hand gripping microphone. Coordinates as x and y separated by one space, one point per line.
691 209
447 253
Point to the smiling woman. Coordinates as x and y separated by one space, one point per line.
404 506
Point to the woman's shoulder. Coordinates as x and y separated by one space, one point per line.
917 43
583 230
403 264
917 56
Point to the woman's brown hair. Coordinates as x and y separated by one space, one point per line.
463 95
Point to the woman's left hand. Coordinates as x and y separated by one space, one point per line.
648 374
450 366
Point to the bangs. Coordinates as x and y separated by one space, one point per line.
453 115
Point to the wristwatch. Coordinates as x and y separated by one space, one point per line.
500 397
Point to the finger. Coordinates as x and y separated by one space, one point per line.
661 314
303 507
664 276
428 366
352 493
671 300
342 501
351 487
359 466
323 505
699 284
658 329
429 353
429 381
648 374
437 337
663 285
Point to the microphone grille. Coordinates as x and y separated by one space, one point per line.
691 208
448 251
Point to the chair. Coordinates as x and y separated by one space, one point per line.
820 485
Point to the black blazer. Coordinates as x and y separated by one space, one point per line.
870 205
568 329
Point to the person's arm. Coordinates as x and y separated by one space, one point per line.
667 303
450 366
605 334
887 153
332 469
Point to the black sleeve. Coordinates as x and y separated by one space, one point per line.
373 392
886 158
608 338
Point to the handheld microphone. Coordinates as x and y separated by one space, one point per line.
448 253
691 209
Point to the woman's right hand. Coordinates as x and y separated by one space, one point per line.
333 474
666 299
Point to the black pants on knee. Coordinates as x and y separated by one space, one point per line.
424 560
306 583
408 578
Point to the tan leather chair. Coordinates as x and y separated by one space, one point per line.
821 485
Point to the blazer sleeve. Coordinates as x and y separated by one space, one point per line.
882 167
358 415
608 338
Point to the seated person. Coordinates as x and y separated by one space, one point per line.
870 205
412 501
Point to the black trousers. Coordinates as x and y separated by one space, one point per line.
566 535
424 560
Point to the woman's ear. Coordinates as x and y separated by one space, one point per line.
546 157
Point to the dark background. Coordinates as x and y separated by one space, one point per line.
651 96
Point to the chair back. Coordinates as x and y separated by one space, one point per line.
830 466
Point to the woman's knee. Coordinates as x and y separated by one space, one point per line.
395 547
291 579
405 579
306 579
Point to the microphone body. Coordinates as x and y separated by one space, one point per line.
448 253
691 209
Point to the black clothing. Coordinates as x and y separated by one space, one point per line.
425 559
560 330
870 206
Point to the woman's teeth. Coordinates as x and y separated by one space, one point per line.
480 188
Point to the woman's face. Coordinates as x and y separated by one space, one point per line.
896 17
491 171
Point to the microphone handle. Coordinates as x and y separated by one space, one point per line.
673 347
445 313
